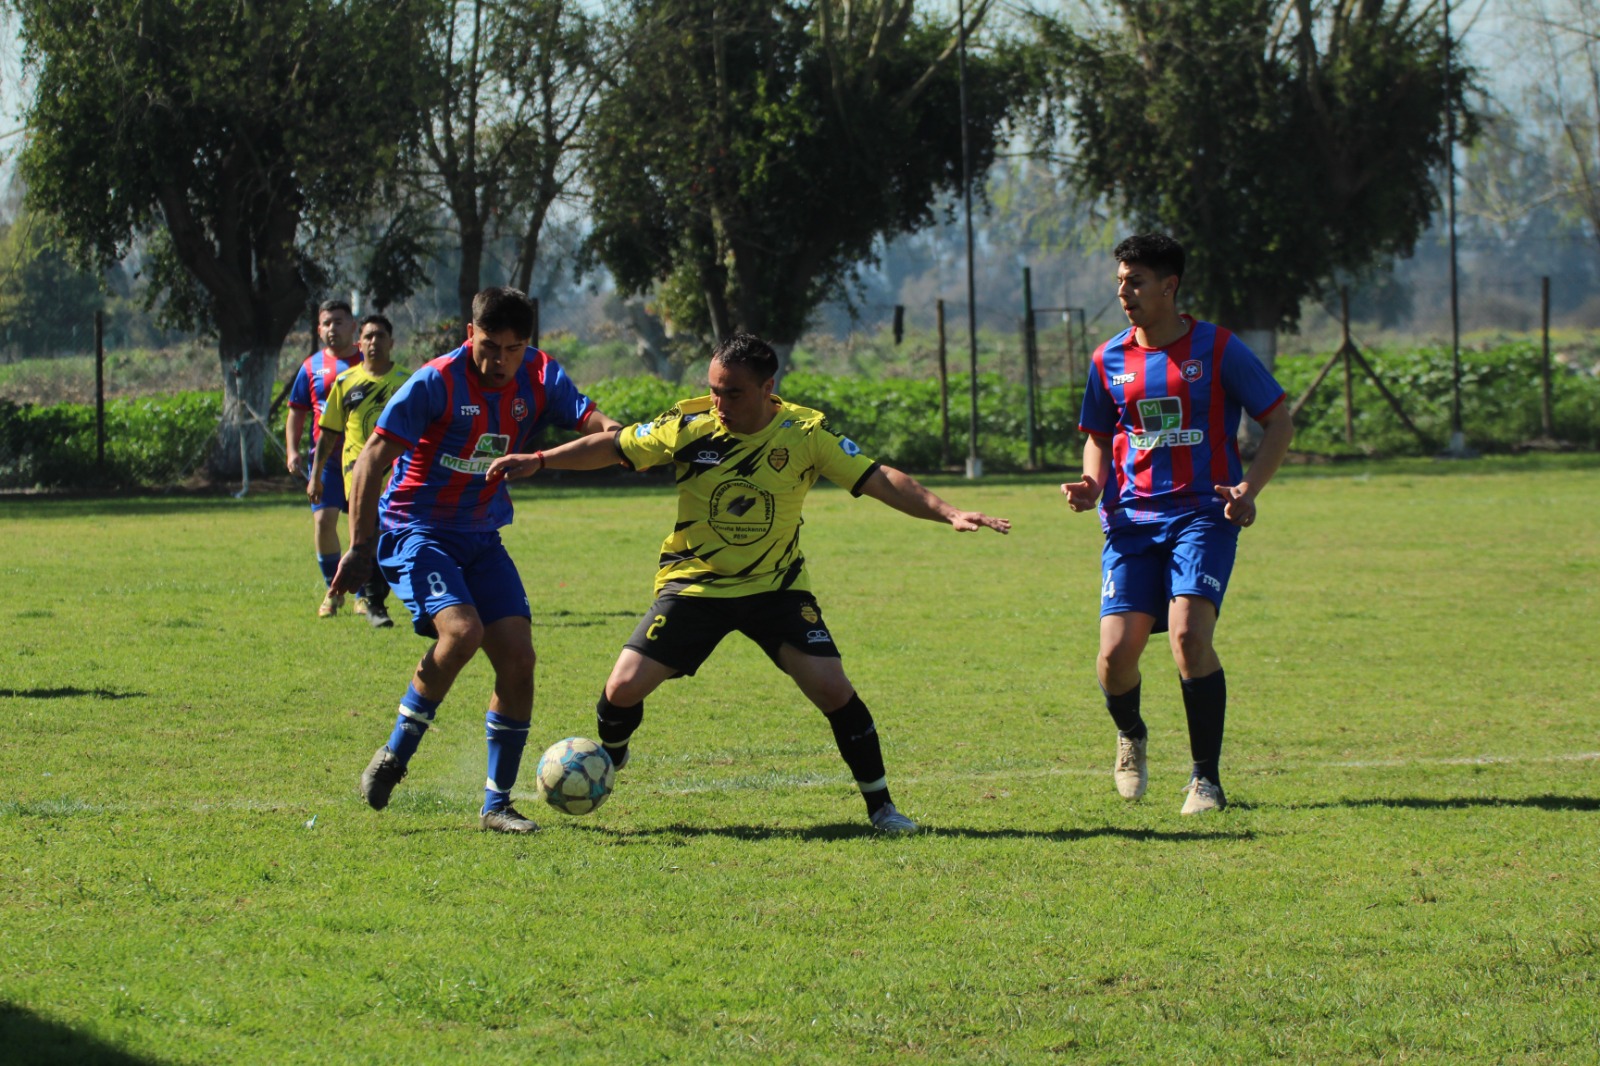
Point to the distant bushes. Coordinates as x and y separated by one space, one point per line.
1500 400
157 441
150 442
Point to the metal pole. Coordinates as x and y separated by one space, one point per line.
1030 363
944 391
1349 385
1458 441
1547 417
974 464
100 393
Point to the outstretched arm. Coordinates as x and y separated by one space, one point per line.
591 452
1084 493
908 495
1277 432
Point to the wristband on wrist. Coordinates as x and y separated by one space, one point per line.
539 455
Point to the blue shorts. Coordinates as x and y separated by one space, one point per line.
1144 566
431 569
332 487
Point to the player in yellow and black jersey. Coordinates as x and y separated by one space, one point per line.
354 402
744 461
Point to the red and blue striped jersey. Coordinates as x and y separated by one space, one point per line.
453 428
312 382
1172 416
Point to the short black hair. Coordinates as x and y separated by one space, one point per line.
378 320
749 351
1160 253
501 307
334 305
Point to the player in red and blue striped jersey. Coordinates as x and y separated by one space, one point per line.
336 326
435 531
1162 410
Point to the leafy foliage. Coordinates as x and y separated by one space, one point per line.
46 303
243 133
149 442
1279 143
750 153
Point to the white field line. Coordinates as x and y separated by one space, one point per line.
812 781
778 780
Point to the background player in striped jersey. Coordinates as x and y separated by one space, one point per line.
348 418
435 532
744 461
336 327
1162 412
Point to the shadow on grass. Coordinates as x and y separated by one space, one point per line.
1544 803
29 1040
67 692
852 830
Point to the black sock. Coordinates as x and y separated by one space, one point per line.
1205 702
857 738
616 724
1124 710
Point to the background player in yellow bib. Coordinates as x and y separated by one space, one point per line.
744 461
349 415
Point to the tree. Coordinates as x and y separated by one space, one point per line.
1564 37
749 154
46 304
1282 143
514 82
238 135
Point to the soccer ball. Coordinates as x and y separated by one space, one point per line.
575 775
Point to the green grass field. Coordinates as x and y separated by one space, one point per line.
1409 872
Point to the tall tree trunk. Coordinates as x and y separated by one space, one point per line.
468 281
249 371
651 343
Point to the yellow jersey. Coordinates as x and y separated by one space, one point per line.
739 497
354 403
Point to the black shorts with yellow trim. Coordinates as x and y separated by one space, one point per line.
682 631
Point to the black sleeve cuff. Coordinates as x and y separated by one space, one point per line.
616 442
855 490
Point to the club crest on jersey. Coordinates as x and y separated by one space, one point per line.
778 458
810 614
519 409
1191 370
1161 425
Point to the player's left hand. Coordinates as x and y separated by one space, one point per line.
1241 506
515 466
972 521
314 489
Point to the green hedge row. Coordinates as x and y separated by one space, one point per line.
158 441
150 442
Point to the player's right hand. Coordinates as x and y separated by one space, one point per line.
314 490
1081 495
297 464
355 570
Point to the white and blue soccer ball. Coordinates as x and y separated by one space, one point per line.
575 775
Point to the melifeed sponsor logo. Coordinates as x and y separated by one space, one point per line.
1161 425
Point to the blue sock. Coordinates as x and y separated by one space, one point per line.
330 565
416 714
506 739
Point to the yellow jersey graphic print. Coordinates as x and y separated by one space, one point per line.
740 496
